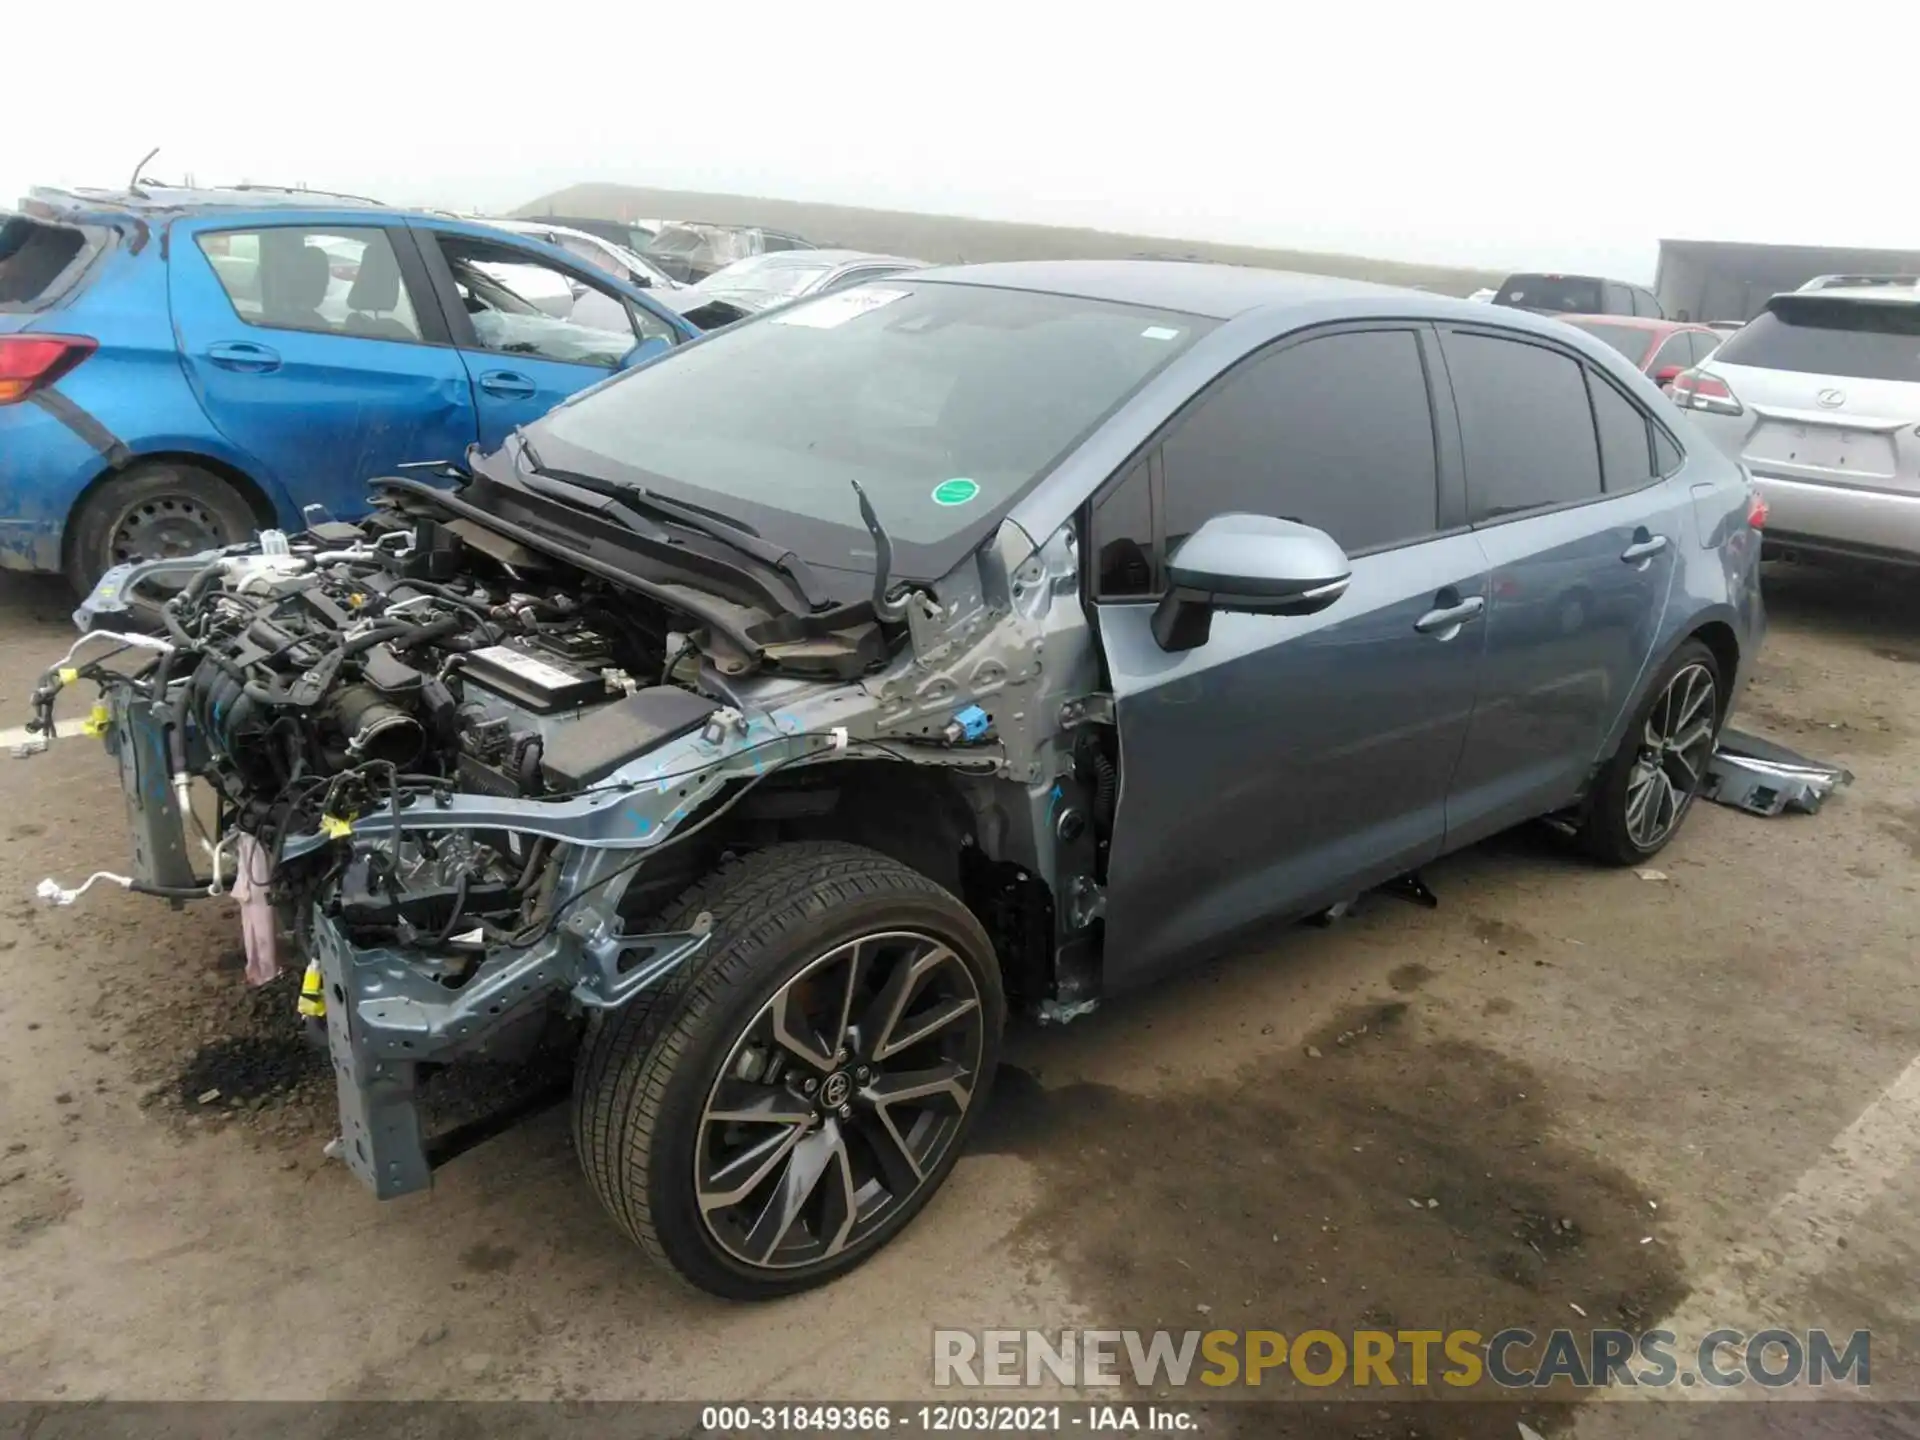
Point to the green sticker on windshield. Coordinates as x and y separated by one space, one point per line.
955 492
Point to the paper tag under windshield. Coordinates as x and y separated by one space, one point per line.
830 312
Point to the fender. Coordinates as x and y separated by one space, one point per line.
197 448
1696 622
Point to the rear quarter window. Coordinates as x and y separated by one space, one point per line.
38 261
1811 334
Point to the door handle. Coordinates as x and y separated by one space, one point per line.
1449 618
1643 549
507 384
244 356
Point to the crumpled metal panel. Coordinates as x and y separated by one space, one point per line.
1762 777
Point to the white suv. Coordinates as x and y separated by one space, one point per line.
1819 397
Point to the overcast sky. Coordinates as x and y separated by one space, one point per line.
1552 136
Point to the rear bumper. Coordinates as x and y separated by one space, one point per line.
1840 520
44 465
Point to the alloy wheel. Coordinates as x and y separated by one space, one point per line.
1674 751
839 1099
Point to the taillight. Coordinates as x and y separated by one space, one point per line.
1757 511
32 362
1697 390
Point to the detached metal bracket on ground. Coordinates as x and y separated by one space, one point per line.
1764 778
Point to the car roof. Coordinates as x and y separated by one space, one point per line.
544 227
180 199
1880 293
1636 322
1218 292
830 257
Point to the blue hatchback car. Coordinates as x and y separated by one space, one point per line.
181 367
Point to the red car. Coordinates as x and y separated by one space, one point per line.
1661 348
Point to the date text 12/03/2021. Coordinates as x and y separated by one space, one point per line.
941 1419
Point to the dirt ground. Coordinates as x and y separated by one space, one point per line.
1686 1096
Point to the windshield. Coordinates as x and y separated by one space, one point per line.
1567 294
943 401
772 278
1816 335
1629 340
711 245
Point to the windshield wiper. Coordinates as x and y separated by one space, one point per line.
596 502
626 503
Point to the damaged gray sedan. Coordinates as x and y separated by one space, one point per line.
770 720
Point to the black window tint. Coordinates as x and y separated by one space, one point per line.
1624 457
32 257
1336 433
1123 556
1568 294
1666 454
1525 423
1677 351
1817 334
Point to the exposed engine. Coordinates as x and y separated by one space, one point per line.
314 668
460 757
367 663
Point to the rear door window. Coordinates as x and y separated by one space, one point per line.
1703 343
1335 432
1526 426
341 280
1819 335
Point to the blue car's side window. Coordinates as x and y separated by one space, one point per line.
337 279
520 304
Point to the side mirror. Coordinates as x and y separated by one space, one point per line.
1250 565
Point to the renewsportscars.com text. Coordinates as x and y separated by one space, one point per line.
1510 1359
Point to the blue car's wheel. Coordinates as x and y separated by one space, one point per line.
154 513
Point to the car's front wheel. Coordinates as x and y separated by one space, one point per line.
798 1093
1646 789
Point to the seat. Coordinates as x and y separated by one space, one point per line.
293 283
376 294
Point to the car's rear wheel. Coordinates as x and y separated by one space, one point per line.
1646 789
156 512
800 1091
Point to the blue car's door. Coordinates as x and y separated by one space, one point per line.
532 324
317 349
1582 539
1287 762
